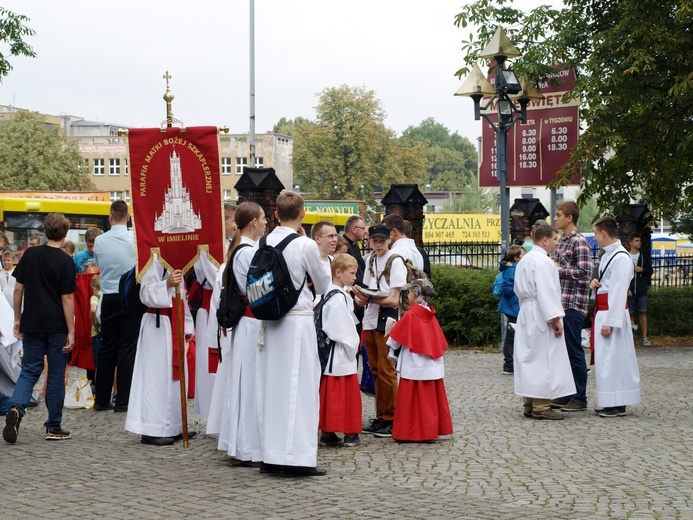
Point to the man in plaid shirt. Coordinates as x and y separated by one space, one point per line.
573 256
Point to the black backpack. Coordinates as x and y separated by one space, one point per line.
325 344
231 304
269 289
129 294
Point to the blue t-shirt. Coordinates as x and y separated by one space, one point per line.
82 260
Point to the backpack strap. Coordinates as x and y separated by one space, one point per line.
388 267
280 247
326 297
602 272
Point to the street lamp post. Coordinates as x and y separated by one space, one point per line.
507 84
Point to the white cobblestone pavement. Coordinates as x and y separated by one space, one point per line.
497 465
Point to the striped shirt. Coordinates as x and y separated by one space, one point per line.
574 258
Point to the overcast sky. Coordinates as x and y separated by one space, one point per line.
104 61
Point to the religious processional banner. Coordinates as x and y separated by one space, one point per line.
176 196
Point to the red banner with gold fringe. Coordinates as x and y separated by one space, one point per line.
176 196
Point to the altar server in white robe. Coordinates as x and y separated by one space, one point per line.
154 410
223 343
239 433
542 367
290 357
615 363
205 336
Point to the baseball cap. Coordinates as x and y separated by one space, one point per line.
379 230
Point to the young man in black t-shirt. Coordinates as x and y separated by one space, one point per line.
45 281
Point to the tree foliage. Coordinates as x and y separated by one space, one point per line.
474 200
13 31
634 65
451 160
287 126
35 156
348 152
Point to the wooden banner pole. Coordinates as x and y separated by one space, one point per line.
180 333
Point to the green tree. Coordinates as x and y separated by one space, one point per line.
451 160
474 200
36 156
13 31
348 152
287 126
589 212
633 60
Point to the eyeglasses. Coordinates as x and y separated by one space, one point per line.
332 236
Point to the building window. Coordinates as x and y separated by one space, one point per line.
127 167
114 195
114 167
98 166
226 165
240 163
258 162
228 195
126 196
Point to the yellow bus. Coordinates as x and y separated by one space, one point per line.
21 218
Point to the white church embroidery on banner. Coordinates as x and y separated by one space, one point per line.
178 215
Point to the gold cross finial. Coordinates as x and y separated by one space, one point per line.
167 77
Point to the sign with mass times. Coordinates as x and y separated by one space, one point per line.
537 149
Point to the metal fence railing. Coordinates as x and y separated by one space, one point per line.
670 270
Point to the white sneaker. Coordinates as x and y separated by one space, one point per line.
646 342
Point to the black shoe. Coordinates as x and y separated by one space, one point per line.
158 441
560 402
191 434
57 434
374 426
270 468
303 471
385 431
12 421
331 440
102 408
119 408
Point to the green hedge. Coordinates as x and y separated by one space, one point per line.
466 307
670 311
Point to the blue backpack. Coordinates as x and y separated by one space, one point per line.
498 285
269 289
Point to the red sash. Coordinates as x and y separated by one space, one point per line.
206 299
168 311
602 304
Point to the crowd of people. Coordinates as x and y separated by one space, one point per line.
267 399
546 294
269 396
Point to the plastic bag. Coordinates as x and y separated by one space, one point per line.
79 395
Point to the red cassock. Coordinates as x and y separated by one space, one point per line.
422 412
340 404
82 355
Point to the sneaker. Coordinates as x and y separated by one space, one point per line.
12 421
385 431
548 414
574 405
646 341
330 440
57 434
507 372
352 440
614 411
374 426
560 402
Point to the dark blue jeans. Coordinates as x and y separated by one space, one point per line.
572 328
5 403
35 347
